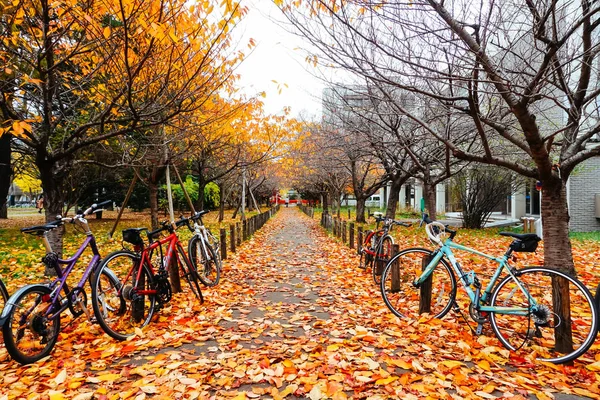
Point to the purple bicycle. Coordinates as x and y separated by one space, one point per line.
31 318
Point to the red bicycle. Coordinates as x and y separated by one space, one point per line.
130 304
376 249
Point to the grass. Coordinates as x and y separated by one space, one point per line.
20 254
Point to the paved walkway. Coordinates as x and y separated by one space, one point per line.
292 318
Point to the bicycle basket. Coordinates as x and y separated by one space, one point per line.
525 246
133 236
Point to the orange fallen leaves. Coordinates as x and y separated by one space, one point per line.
294 317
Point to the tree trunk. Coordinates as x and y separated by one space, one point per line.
5 172
393 198
53 202
153 190
429 196
200 202
360 209
558 255
221 202
325 203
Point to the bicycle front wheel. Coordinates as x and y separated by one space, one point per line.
29 335
435 296
207 264
118 306
3 295
558 321
382 257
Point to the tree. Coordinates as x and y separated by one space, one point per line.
90 72
480 189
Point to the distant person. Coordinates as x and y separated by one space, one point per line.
40 204
287 201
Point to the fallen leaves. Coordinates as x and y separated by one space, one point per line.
292 317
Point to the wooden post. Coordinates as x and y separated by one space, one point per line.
245 230
223 243
425 289
349 214
395 284
344 231
351 235
238 236
232 238
359 243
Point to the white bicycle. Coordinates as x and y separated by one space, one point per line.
203 250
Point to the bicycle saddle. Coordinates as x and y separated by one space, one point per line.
521 236
41 229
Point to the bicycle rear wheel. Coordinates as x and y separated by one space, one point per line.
382 257
208 268
118 307
435 296
545 331
28 334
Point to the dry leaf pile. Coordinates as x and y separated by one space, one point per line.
293 317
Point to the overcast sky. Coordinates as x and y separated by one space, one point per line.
277 57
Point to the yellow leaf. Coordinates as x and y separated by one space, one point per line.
451 363
106 32
386 381
56 395
484 365
108 377
594 366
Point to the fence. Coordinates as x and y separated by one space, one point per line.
242 231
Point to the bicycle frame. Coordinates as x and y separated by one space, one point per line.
60 283
174 246
201 231
467 279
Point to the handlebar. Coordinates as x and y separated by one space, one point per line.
434 228
389 221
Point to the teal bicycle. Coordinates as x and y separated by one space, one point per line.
523 306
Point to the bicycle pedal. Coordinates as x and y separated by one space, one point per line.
479 329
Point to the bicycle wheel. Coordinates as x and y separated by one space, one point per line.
28 334
383 255
118 308
3 295
404 299
545 330
209 269
189 273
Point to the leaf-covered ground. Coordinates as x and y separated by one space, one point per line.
294 318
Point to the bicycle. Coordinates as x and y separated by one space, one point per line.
3 295
129 304
520 306
31 318
203 250
377 246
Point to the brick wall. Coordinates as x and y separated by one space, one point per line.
584 183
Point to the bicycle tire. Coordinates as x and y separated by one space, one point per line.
209 271
382 255
403 299
28 335
190 274
539 327
3 296
117 311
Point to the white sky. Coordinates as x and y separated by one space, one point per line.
277 57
